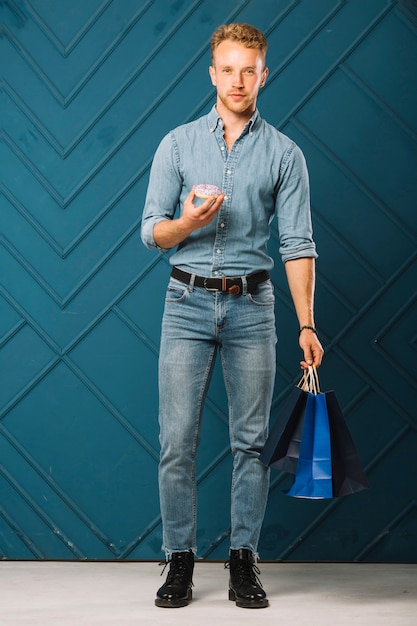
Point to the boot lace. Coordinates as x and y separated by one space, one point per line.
177 571
246 571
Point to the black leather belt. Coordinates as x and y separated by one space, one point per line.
232 285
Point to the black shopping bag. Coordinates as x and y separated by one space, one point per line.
282 447
347 470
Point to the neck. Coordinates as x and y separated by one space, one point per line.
233 122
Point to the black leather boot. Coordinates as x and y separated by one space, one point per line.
245 587
176 591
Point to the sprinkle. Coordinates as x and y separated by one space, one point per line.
206 191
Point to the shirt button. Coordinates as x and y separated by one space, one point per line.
229 172
218 251
226 197
222 148
221 225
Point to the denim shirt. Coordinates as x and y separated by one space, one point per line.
264 174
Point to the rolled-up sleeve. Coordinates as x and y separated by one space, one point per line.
163 193
293 208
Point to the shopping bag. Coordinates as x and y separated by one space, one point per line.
311 439
282 447
348 474
313 478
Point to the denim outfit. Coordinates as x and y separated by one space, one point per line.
263 175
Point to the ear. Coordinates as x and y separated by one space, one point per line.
265 73
212 73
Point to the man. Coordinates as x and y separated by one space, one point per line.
220 298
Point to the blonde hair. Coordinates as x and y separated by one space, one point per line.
244 34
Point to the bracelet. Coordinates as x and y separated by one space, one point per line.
308 328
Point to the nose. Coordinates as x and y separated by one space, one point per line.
237 79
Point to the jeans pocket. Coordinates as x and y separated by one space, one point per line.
264 295
176 291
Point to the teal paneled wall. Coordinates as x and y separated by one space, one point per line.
88 89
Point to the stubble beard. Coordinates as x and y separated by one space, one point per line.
240 107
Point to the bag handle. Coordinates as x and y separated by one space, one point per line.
310 381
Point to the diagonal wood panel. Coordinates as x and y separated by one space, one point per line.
88 89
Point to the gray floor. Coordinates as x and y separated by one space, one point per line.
122 594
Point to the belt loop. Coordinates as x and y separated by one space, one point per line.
191 283
244 285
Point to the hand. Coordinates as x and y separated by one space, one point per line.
200 216
169 233
312 349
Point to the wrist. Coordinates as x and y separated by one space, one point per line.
185 226
308 328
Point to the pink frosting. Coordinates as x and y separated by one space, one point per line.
205 191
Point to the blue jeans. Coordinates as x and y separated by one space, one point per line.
196 324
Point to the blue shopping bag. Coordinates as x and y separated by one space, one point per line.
313 478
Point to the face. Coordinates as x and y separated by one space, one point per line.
237 73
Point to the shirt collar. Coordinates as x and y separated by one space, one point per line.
215 121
